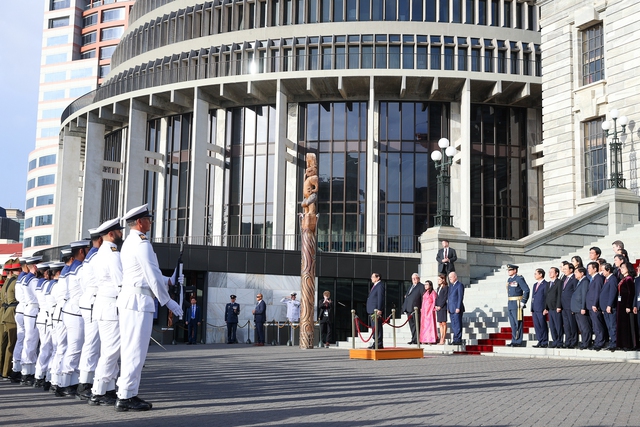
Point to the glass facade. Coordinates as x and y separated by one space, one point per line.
593 54
111 187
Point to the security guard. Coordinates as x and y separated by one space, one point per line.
231 312
142 282
518 294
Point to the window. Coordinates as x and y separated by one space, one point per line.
79 91
53 113
90 20
113 15
111 33
88 54
55 77
27 242
592 54
33 164
55 59
59 22
42 240
83 72
89 38
47 160
52 95
49 132
43 200
29 203
595 158
104 70
57 40
28 223
44 220
31 183
46 180
59 4
107 51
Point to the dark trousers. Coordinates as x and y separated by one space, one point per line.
193 331
599 328
377 326
412 326
570 328
260 332
540 325
584 325
516 327
456 326
325 331
611 322
231 332
555 326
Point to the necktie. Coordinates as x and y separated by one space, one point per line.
193 312
537 285
445 252
565 282
412 286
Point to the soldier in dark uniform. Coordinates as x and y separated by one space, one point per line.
231 312
518 294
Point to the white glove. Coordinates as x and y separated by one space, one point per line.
181 279
175 307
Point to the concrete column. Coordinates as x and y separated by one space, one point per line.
430 243
293 196
92 189
136 140
219 209
461 170
372 171
158 229
198 169
67 210
279 172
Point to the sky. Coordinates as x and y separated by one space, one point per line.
20 46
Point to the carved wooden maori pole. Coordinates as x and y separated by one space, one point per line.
308 222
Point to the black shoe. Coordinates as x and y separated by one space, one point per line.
46 386
107 399
84 391
53 388
60 391
15 377
412 342
38 383
28 380
596 348
536 346
132 404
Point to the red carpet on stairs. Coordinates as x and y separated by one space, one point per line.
496 339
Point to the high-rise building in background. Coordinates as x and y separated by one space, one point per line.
18 216
79 37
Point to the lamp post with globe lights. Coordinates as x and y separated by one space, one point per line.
443 160
616 179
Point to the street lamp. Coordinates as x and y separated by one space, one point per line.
615 147
443 159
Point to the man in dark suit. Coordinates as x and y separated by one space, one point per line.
538 305
259 317
446 258
554 306
579 307
193 319
231 312
608 303
593 305
455 306
412 299
568 320
375 307
517 296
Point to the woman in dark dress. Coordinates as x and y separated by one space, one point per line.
626 322
441 306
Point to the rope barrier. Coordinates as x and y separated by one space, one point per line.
358 321
397 327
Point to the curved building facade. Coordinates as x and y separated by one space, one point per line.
210 107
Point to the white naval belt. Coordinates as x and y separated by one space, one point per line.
138 290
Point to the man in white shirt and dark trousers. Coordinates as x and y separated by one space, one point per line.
293 310
142 282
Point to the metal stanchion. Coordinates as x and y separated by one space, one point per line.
353 329
393 324
375 327
248 333
416 320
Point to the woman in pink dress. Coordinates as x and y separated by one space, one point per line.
428 328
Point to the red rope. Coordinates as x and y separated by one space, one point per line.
360 334
397 327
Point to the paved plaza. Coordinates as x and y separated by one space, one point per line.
240 385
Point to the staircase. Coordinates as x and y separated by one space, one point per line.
496 339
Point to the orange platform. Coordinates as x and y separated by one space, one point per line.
386 353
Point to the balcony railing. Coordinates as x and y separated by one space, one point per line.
207 67
326 242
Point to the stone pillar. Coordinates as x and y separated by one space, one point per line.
279 172
66 217
373 198
219 210
134 177
291 188
92 188
461 169
430 242
623 208
198 169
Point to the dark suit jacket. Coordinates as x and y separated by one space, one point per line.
375 300
539 297
567 291
196 318
594 291
609 294
455 297
554 295
450 266
260 316
413 298
637 303
579 297
322 307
